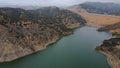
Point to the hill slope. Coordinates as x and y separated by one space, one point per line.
111 47
95 18
102 8
23 32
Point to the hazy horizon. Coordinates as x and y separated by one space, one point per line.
57 3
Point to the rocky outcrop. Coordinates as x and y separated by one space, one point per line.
23 32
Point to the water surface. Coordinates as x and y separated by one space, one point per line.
73 51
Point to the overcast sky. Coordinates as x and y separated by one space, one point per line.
50 2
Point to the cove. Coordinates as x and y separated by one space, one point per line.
72 51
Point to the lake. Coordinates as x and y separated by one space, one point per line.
72 51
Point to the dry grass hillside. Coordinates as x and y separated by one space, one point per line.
95 19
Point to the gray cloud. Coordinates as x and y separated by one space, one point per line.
50 2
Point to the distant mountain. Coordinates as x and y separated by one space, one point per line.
102 8
94 16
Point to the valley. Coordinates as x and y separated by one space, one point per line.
24 32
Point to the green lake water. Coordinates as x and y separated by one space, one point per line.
72 51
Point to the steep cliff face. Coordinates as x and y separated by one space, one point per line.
23 32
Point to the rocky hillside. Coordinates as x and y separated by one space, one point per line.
61 14
102 8
110 27
23 32
111 47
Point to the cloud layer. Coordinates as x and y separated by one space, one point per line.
50 2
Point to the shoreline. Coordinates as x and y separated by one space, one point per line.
111 59
107 57
53 42
46 45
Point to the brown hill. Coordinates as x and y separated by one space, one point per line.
95 19
23 32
